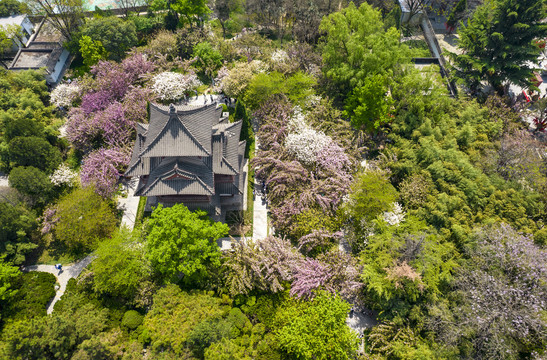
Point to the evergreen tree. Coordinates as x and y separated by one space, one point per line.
246 129
498 43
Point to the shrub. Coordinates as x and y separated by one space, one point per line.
34 292
132 319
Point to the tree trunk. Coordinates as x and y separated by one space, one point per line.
223 28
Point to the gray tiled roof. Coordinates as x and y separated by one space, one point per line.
181 150
136 165
179 176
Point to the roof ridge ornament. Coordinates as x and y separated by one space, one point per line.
172 109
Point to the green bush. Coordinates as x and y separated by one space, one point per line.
540 237
132 319
35 290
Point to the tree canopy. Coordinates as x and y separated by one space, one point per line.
183 243
498 43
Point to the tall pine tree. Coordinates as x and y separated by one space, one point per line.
498 44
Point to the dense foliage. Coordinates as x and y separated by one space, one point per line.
403 223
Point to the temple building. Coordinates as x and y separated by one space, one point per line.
191 155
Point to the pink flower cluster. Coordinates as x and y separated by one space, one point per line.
101 169
104 124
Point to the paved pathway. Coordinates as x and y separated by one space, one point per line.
130 204
66 274
260 214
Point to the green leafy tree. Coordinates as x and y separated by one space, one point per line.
183 242
371 195
224 8
54 337
34 291
362 61
12 7
84 218
121 267
17 227
208 59
316 329
21 122
406 264
32 182
92 51
192 10
8 275
262 86
456 14
34 151
498 43
116 35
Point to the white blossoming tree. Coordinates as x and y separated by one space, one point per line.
306 143
396 216
65 94
63 176
171 86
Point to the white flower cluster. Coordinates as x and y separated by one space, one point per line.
64 94
221 74
63 176
298 120
306 143
396 216
279 56
172 86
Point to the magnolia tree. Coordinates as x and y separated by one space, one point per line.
171 86
63 176
65 94
395 216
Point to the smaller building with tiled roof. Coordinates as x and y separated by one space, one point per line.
190 155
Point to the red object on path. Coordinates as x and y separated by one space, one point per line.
526 96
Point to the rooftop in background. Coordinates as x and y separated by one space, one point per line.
45 50
90 5
47 33
12 20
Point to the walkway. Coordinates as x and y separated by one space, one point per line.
260 214
3 180
129 204
66 274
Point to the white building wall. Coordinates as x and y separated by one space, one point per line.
54 76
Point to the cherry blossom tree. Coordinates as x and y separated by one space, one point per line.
171 86
103 168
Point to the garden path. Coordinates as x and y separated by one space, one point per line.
129 204
260 214
67 273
